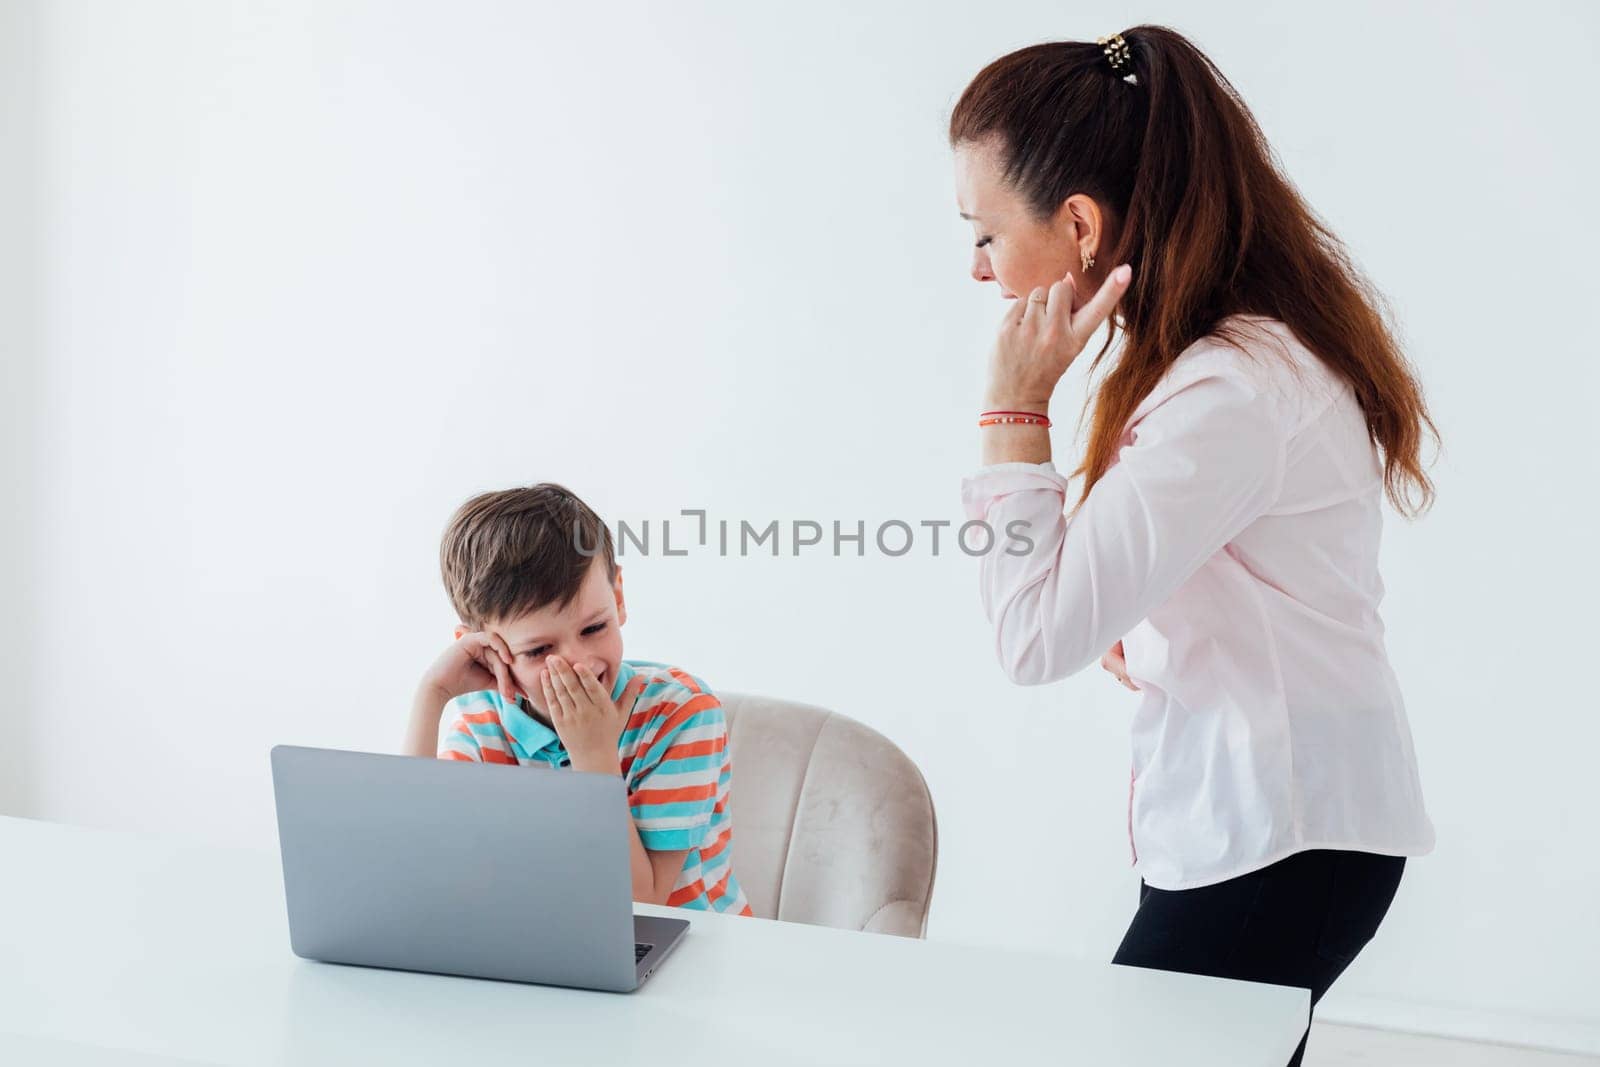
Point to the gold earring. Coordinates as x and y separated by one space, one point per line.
1088 261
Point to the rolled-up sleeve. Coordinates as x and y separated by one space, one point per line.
1202 464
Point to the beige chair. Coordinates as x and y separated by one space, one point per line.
832 824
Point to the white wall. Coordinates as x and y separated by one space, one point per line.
304 276
19 371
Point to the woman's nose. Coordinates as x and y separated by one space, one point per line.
980 271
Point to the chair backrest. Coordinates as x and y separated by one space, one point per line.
832 824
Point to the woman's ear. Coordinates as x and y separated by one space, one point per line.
1081 223
616 589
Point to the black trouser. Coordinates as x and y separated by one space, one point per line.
1297 922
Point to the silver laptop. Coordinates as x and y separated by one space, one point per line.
483 870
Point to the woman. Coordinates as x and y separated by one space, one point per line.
1223 540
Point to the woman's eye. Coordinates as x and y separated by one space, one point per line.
983 242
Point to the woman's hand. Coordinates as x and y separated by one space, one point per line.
1114 662
1041 336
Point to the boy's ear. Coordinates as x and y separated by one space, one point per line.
461 628
616 589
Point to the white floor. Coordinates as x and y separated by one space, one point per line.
1349 1046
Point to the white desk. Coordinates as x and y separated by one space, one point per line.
120 948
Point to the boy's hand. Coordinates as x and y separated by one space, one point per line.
587 721
478 660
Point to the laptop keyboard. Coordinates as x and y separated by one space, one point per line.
640 951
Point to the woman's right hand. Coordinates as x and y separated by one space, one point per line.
478 660
1114 662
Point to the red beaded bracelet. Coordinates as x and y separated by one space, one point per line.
1020 418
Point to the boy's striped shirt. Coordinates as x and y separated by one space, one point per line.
674 757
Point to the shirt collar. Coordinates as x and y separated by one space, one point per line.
530 738
625 675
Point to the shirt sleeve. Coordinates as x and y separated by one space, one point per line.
476 734
1202 465
674 781
459 744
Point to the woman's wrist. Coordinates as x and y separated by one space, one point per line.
1004 402
1014 444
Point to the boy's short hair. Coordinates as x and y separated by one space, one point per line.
513 551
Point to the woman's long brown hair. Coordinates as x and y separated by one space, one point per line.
1208 221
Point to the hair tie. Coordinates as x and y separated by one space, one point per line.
1117 53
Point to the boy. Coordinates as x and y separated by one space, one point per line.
536 677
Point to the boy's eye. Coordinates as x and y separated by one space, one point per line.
542 650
